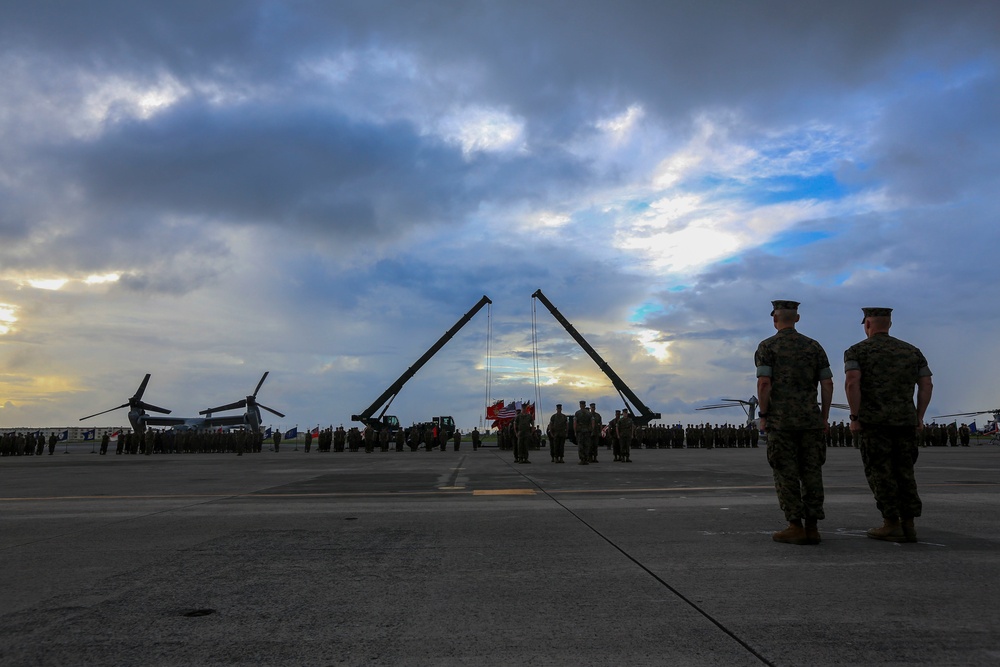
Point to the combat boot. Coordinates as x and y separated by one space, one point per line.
812 532
909 532
794 534
891 531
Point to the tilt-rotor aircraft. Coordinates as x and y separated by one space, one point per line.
139 418
750 408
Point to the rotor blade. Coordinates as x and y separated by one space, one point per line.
966 414
142 389
736 400
222 408
273 412
840 406
153 408
123 405
262 378
713 407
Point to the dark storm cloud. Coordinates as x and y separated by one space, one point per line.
550 56
288 167
940 144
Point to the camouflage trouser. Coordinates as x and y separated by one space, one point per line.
585 446
521 446
558 445
625 446
889 453
797 459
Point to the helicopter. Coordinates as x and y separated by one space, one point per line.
991 429
139 418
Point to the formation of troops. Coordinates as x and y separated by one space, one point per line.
618 436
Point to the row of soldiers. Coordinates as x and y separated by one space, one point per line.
27 444
427 437
654 436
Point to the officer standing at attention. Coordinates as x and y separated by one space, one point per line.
789 367
523 429
276 439
583 427
626 431
597 427
557 429
881 374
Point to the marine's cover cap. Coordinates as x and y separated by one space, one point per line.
784 305
876 312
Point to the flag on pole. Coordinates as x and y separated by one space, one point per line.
315 432
64 436
90 435
972 427
267 433
292 433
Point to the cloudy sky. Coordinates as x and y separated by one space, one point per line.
205 191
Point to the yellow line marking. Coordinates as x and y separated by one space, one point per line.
450 488
504 492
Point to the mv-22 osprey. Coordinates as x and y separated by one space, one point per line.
139 418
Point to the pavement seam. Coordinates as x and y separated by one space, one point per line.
655 576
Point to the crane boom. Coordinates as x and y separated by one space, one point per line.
643 415
367 417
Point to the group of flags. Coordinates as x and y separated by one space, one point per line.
290 434
991 428
501 413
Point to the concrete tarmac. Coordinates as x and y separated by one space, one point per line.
465 558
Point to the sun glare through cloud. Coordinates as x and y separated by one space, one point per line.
48 283
7 317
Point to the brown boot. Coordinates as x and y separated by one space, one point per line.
891 531
908 530
812 532
794 534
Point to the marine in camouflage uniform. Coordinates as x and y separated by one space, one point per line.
789 368
626 431
882 372
613 435
524 430
557 429
598 427
583 427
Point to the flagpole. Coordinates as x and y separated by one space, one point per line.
296 437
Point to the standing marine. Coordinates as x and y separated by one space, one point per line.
523 426
583 429
881 373
790 366
556 430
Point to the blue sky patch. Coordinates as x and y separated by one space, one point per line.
792 239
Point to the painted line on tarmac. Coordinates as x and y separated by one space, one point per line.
504 492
